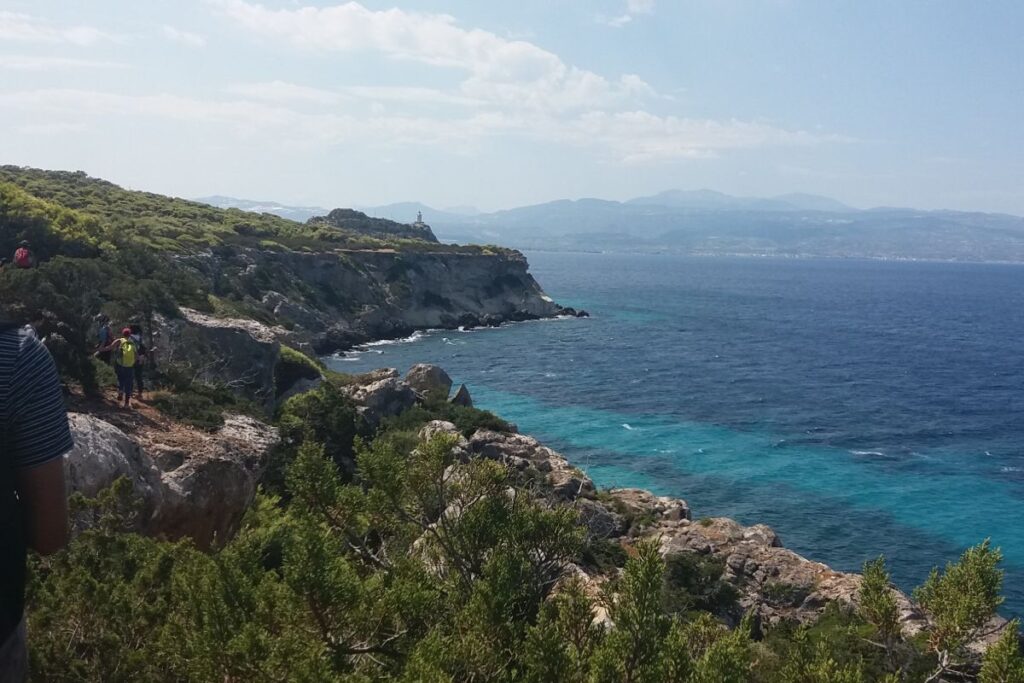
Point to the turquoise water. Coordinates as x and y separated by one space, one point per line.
857 407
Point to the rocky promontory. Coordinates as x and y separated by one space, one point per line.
334 299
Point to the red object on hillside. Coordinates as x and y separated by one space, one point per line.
23 258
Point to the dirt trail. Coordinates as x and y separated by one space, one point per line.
142 421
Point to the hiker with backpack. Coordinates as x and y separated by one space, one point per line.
104 335
34 434
23 256
125 354
143 357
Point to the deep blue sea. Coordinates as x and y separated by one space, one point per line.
858 407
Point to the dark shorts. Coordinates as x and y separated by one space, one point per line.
105 356
14 657
125 379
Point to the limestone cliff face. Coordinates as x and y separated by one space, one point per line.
333 300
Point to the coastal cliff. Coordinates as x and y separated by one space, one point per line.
334 299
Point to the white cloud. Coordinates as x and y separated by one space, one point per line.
284 92
184 37
640 6
280 91
36 63
54 128
497 69
630 136
26 28
505 88
633 8
615 22
640 137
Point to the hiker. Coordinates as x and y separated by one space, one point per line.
103 336
142 357
33 499
23 256
125 352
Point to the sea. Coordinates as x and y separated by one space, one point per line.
860 408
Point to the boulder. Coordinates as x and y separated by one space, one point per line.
384 398
206 497
435 427
599 521
462 397
642 503
375 376
103 454
429 381
205 500
537 464
200 491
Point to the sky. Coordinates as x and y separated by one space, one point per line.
500 104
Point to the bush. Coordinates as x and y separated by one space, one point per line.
293 366
694 582
324 415
191 408
467 420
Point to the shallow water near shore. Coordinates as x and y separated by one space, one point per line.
857 407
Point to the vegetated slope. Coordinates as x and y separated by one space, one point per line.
446 547
172 224
137 255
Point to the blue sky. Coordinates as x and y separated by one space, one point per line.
452 102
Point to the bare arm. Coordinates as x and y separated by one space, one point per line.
44 496
110 347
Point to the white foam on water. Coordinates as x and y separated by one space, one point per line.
626 426
415 336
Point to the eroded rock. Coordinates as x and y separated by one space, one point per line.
204 488
103 454
429 381
462 397
238 353
383 398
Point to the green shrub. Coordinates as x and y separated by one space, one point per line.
467 420
293 366
694 582
190 407
324 415
603 555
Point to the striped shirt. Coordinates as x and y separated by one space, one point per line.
32 411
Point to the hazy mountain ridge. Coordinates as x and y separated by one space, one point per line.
710 222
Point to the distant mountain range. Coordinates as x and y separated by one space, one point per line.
709 222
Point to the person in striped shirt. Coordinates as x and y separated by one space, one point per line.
34 434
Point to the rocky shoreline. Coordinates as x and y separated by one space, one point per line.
198 485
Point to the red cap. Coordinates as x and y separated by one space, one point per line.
126 331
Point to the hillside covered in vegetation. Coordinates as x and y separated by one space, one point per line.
141 257
261 518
